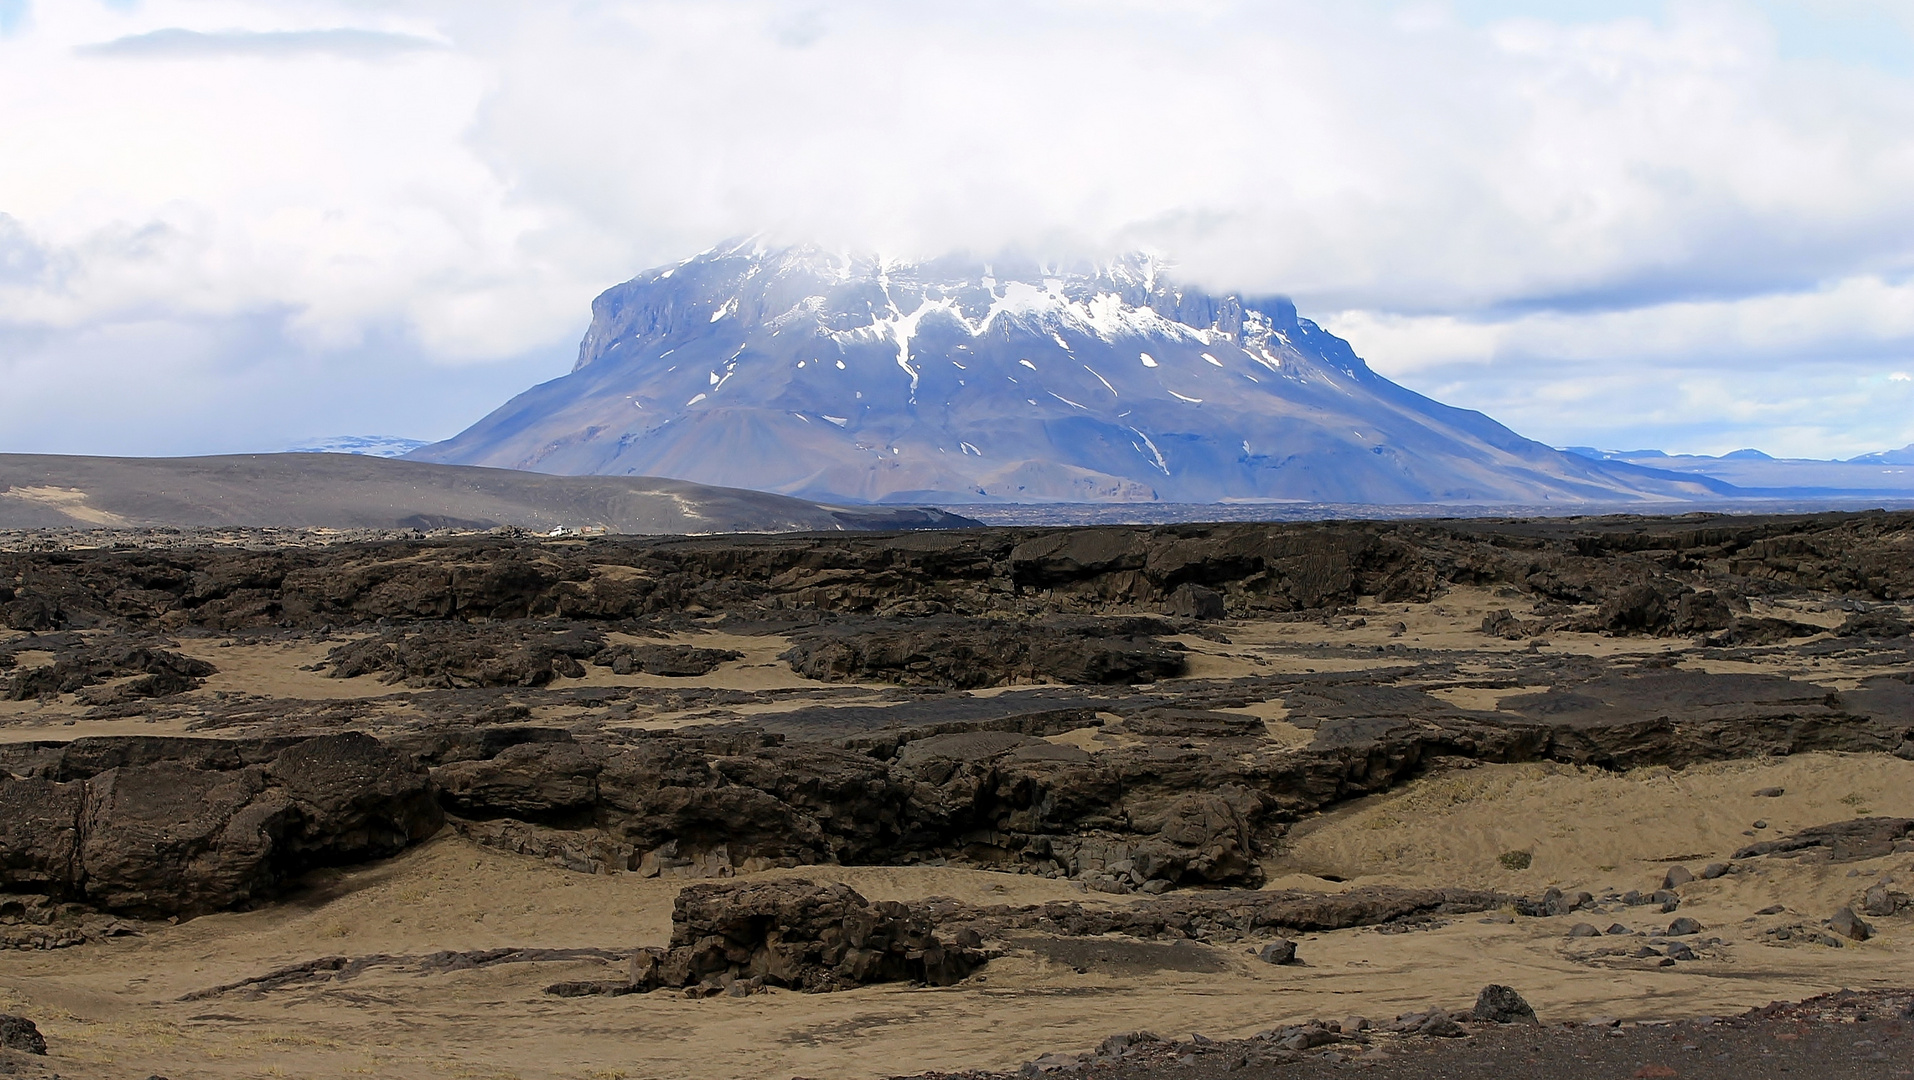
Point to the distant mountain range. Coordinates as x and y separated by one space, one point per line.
836 376
1758 474
1903 456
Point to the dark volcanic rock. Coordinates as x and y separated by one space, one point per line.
1763 632
77 666
969 653
1845 841
20 1033
1227 914
1280 951
1255 567
457 655
1195 602
674 661
159 826
1849 925
799 934
1498 1004
1879 623
748 800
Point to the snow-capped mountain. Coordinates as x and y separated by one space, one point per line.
806 371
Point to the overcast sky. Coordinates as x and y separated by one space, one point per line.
235 224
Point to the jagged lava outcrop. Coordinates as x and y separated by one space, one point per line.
803 371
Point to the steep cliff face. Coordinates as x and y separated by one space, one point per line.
803 371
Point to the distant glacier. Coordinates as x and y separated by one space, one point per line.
367 445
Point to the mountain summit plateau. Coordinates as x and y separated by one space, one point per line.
823 374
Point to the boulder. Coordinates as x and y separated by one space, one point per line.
799 934
1280 951
1195 602
1499 1004
1502 623
19 1033
1849 925
1881 901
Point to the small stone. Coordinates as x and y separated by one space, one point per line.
1617 930
1645 952
1683 927
1308 1038
1849 925
1666 961
19 1033
1761 824
1355 1024
1713 870
1680 951
1050 1063
1772 909
1881 902
1676 877
1280 951
1583 930
1604 1022
1498 1004
1770 792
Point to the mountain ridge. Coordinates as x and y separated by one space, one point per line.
833 375
362 491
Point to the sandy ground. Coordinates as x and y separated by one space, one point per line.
1384 636
113 1008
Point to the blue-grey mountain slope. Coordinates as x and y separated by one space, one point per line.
808 372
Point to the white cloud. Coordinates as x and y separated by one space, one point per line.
175 43
1515 211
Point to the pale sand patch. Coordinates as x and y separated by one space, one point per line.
760 669
112 1010
1093 739
69 501
273 669
1274 715
1813 612
1483 698
1587 828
